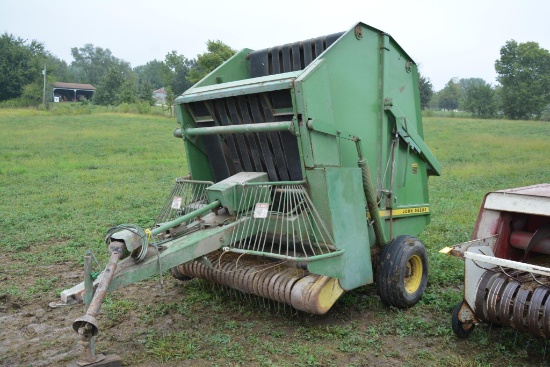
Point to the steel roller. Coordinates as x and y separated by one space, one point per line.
503 300
268 279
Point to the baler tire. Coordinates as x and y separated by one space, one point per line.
457 325
403 272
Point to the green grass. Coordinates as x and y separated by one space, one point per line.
65 179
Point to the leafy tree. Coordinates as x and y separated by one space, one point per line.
217 53
478 97
145 93
450 95
169 100
92 63
151 73
176 72
116 87
21 63
426 90
524 73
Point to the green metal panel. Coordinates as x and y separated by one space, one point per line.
237 88
231 70
313 99
229 191
364 85
344 208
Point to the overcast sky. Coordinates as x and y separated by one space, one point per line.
446 38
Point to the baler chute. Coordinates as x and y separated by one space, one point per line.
309 176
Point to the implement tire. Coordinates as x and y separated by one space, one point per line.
403 272
460 329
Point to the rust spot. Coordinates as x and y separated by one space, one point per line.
401 89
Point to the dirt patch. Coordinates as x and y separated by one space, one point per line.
194 325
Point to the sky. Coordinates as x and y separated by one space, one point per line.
446 39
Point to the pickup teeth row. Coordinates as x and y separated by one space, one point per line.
263 278
503 300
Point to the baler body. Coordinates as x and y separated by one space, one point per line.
328 91
308 177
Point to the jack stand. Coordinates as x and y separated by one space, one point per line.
88 342
86 326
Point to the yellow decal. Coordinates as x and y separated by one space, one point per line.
406 211
419 210
414 168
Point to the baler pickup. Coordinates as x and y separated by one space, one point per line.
507 265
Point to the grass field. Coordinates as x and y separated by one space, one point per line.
64 180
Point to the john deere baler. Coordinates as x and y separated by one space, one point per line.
308 178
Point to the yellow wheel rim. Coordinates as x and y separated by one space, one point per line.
413 274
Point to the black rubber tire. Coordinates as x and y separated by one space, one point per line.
458 327
394 285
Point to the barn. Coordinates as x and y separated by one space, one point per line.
74 92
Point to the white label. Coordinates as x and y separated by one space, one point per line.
261 210
176 202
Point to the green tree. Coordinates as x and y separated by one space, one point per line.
92 63
176 71
426 90
450 95
478 97
145 93
21 63
169 100
117 86
524 73
151 73
217 53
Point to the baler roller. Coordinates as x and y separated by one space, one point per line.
525 306
273 280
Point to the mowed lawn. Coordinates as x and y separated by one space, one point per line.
65 180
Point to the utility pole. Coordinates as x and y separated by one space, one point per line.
44 95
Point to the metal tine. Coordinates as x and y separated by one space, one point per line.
265 193
298 194
256 221
249 224
292 207
284 223
285 208
319 221
237 230
313 228
280 208
282 205
276 214
243 227
310 227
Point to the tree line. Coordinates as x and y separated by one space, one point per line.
116 82
523 71
523 92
